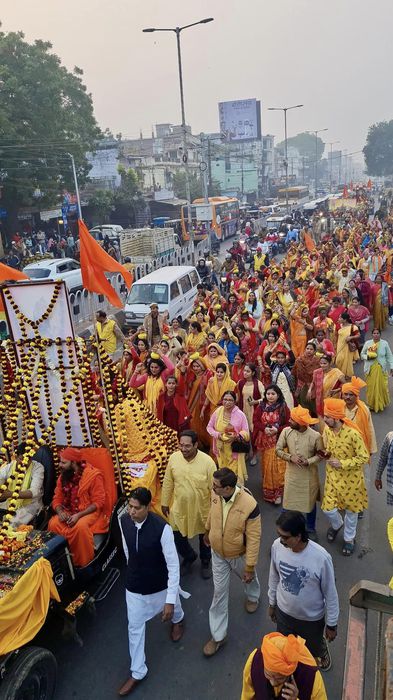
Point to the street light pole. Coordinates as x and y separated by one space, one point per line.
76 186
316 132
331 144
177 31
285 110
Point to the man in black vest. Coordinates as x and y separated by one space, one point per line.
152 579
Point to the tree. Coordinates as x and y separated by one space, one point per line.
378 151
215 188
128 198
45 114
305 144
101 202
179 184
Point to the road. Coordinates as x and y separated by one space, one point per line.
180 672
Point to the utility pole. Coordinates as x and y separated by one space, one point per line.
331 144
209 166
76 186
316 132
285 110
177 31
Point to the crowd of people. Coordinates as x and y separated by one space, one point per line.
268 372
263 375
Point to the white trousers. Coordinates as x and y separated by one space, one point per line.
350 522
218 613
140 609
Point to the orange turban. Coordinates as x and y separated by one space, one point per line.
353 386
335 408
282 654
71 454
302 416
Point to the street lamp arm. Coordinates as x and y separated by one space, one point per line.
201 21
154 29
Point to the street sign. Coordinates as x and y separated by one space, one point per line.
3 213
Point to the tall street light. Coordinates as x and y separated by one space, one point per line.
177 31
285 110
316 132
331 144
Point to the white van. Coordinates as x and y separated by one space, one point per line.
173 289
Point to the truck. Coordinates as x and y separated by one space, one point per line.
138 243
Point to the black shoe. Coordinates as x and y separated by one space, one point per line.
186 565
206 571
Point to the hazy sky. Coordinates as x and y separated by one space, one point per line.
334 56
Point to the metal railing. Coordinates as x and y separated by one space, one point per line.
363 597
85 304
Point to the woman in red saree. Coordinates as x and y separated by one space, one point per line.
196 383
268 346
172 408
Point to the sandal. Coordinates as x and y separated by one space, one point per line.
348 548
325 661
332 533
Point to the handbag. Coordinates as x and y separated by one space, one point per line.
240 445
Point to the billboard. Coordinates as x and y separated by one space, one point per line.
240 120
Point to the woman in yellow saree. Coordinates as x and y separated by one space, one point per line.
378 361
380 292
347 351
301 328
217 386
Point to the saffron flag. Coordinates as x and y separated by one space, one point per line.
309 242
345 192
94 263
9 273
369 185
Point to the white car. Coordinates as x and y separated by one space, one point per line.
65 269
113 231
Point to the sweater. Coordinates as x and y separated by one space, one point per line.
302 584
241 533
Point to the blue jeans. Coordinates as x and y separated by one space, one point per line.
310 518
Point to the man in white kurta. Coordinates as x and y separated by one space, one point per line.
152 579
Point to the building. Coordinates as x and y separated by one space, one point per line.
157 157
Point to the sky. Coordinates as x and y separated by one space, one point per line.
332 56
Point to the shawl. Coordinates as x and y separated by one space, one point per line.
211 363
153 388
276 369
215 391
304 368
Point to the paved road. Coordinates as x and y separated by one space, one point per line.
180 672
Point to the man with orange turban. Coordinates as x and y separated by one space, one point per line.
285 666
345 487
301 447
359 413
78 502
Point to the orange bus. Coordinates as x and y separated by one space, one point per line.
221 215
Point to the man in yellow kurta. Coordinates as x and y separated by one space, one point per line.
359 413
345 487
185 498
301 446
282 667
108 331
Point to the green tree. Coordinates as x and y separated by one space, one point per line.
102 204
215 188
45 114
305 144
378 151
128 199
179 184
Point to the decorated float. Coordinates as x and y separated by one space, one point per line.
59 390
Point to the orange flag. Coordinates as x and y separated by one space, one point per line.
345 192
309 242
369 185
9 273
94 263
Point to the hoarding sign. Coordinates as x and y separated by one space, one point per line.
240 120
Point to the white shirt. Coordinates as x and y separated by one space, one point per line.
171 559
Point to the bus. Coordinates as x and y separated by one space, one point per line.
220 215
295 194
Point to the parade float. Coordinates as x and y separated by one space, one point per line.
60 390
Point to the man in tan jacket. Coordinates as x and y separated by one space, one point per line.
233 530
